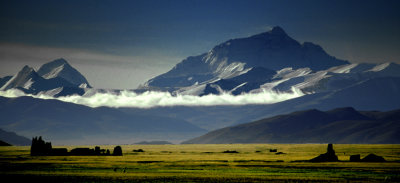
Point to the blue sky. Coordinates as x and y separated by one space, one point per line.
120 44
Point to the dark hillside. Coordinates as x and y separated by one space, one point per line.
342 125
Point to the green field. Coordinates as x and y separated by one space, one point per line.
205 163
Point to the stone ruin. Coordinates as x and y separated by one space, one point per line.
41 148
329 156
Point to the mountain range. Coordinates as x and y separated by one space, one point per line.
266 62
56 78
68 123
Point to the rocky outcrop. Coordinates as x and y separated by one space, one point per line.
373 158
117 151
329 156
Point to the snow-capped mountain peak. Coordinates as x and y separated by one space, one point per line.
52 69
61 68
55 78
272 50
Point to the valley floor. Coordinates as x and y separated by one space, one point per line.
205 163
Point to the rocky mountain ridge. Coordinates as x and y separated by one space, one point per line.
56 78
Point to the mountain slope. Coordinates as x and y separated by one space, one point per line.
71 123
273 50
271 61
373 94
14 139
344 125
4 80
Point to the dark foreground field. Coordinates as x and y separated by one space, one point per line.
204 163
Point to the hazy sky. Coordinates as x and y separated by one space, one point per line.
120 44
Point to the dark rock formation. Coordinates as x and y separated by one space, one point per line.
373 158
329 156
117 151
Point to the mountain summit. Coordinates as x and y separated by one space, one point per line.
61 68
271 51
277 31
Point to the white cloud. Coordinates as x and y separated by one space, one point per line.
156 99
12 93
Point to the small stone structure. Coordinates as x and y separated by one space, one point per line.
329 156
41 148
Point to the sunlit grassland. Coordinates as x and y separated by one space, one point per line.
200 163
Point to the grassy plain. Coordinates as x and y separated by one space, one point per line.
205 163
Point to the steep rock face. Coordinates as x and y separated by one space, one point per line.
243 83
24 79
60 68
273 50
4 80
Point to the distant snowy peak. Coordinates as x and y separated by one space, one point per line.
61 68
272 50
56 78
